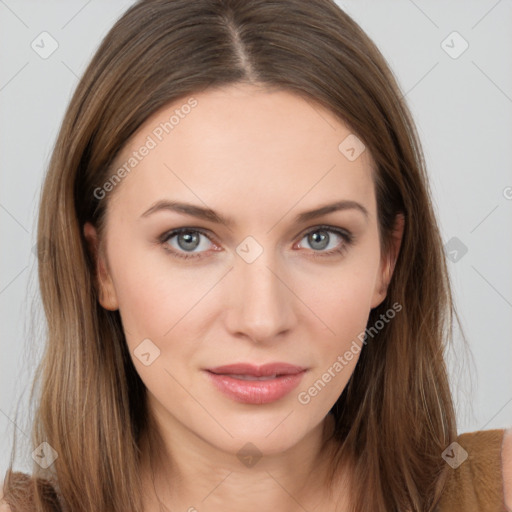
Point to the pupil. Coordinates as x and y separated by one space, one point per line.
191 240
322 239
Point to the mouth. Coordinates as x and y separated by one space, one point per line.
250 370
250 384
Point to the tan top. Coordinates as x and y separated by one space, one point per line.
476 480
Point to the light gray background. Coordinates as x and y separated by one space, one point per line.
463 110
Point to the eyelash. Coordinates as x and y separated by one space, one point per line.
348 240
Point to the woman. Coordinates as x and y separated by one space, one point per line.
244 281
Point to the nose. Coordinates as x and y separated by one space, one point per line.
261 304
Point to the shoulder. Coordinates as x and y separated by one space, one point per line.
475 478
506 460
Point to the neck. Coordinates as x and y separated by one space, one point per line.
186 473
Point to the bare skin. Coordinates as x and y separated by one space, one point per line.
259 158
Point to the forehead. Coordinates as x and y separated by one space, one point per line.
243 145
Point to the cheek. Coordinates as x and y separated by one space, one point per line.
342 316
342 305
159 304
153 297
340 296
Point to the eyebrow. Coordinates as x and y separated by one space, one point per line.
212 216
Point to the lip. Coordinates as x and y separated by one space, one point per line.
281 379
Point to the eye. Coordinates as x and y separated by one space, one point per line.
187 240
320 238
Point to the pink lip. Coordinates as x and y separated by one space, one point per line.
287 378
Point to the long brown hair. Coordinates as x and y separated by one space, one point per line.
395 416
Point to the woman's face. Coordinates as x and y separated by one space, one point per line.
274 285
